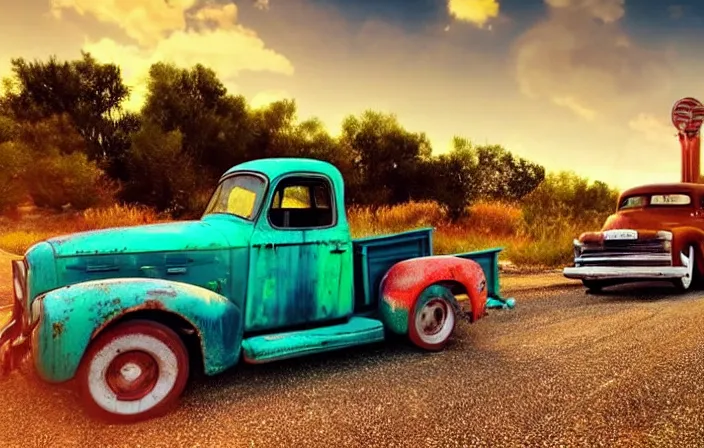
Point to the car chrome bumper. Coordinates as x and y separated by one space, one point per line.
624 272
14 346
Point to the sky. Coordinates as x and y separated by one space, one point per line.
579 85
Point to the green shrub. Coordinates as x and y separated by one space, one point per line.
56 181
13 164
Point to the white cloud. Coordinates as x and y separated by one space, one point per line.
145 21
653 129
574 106
477 12
605 10
581 59
261 4
267 97
178 32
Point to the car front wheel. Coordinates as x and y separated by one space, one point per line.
134 371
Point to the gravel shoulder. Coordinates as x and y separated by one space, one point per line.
563 368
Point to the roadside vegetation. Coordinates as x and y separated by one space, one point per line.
71 159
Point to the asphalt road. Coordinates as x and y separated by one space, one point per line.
562 369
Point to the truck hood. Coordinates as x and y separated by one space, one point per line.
173 236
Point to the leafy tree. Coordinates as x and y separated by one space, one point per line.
213 125
55 181
567 195
454 179
89 93
161 173
502 176
53 134
14 162
274 131
386 156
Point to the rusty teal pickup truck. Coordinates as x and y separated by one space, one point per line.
269 272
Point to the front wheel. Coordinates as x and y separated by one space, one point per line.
688 259
432 319
134 371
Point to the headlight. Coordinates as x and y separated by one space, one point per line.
37 307
664 235
19 292
18 280
577 248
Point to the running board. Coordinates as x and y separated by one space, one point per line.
273 347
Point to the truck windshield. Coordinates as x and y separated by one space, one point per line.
239 195
655 200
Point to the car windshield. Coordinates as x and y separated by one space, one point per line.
655 200
240 195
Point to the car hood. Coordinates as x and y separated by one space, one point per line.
647 223
172 236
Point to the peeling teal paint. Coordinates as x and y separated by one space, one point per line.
356 331
395 319
299 276
72 315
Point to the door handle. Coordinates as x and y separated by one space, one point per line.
339 249
265 245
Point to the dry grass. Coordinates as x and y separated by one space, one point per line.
20 232
547 244
544 244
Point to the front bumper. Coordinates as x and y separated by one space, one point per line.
625 272
14 345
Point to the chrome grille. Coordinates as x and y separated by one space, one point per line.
625 253
626 247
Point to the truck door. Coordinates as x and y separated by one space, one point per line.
301 259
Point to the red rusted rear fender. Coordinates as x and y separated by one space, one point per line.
682 237
406 280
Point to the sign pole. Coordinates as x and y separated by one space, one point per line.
687 117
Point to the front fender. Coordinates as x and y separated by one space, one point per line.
685 236
73 315
407 279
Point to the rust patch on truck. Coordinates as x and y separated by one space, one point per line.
57 330
162 293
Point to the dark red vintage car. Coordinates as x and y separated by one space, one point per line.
657 233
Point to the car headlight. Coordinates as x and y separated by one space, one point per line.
19 274
667 239
577 248
36 310
664 235
19 291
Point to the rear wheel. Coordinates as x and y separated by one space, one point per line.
134 371
432 318
688 259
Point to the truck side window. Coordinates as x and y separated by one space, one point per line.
301 202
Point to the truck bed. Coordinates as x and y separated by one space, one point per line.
374 256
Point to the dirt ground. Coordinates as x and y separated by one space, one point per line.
563 368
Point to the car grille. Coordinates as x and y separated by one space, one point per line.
625 253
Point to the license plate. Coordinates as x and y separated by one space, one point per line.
620 235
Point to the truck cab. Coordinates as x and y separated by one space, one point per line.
299 247
269 272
